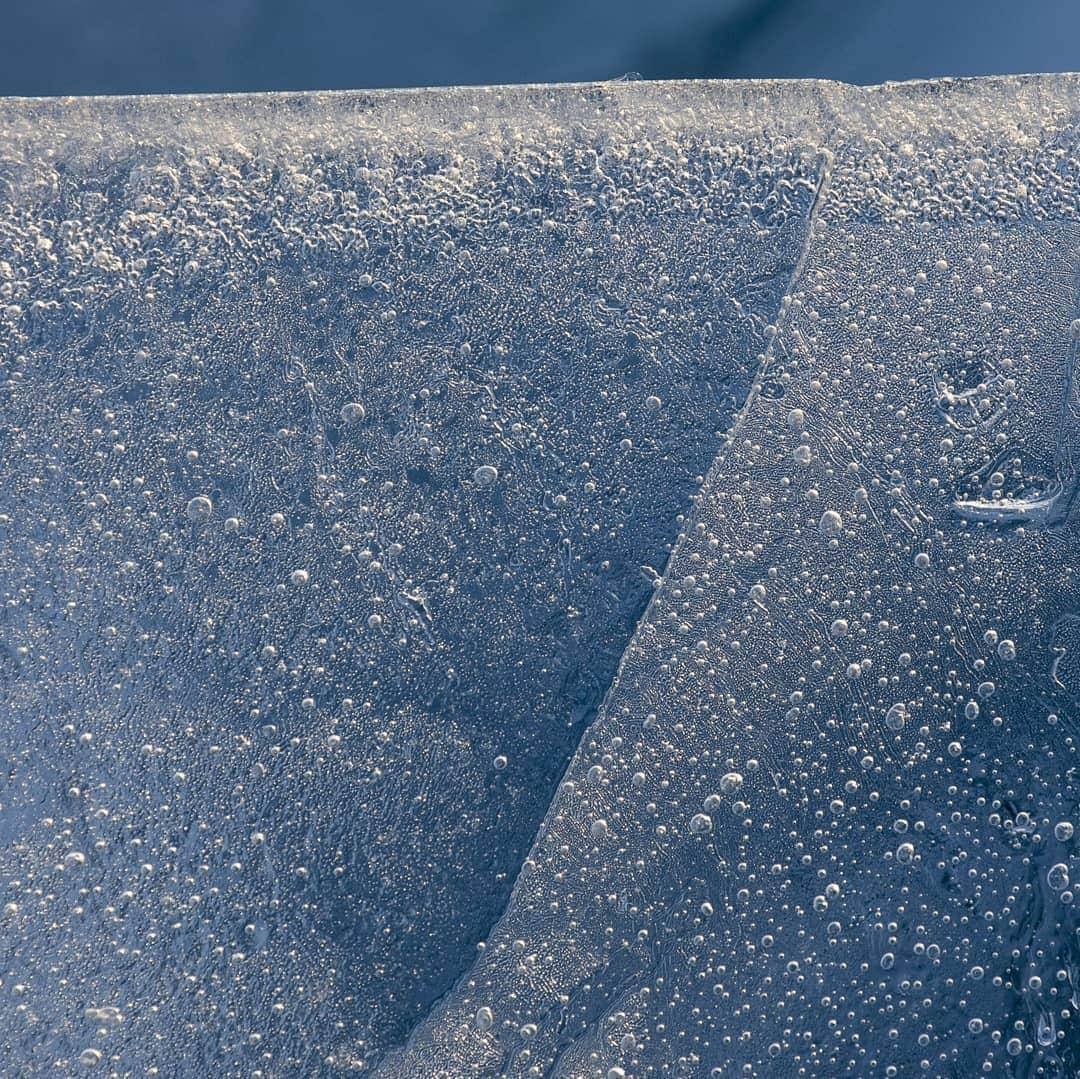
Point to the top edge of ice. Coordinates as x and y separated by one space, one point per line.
803 109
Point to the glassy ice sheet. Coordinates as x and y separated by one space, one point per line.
346 442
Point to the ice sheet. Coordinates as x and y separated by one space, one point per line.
346 437
825 822
346 441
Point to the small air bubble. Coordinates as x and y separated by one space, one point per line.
831 523
199 508
352 412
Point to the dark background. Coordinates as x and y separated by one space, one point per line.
136 46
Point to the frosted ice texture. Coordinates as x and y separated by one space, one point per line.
346 440
824 824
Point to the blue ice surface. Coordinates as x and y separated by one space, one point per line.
544 581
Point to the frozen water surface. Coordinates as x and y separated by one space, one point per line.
346 441
823 824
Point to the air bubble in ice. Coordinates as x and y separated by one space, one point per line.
1057 876
831 523
896 717
731 782
199 508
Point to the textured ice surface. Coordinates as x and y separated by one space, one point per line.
346 439
824 824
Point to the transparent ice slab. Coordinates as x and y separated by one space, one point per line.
345 439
